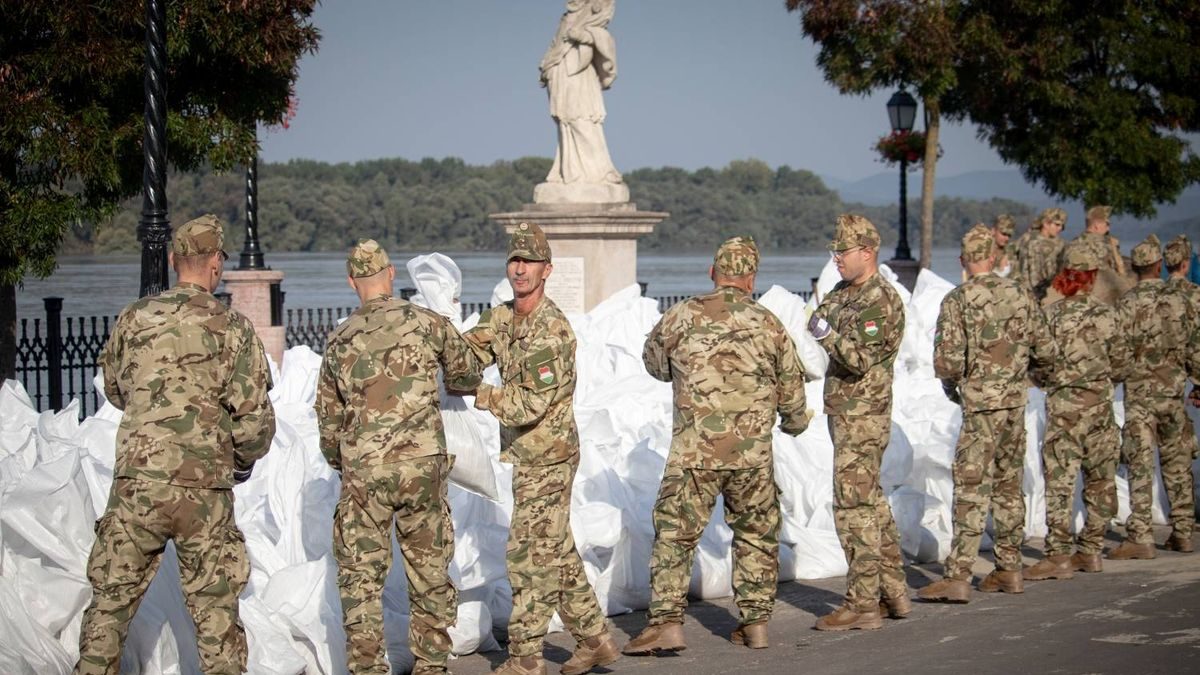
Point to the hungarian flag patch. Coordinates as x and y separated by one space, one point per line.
545 375
870 328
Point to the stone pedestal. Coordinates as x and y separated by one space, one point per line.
594 247
251 295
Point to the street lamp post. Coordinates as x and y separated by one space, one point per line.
902 112
154 229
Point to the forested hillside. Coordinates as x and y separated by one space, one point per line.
314 206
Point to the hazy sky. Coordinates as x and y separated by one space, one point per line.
699 83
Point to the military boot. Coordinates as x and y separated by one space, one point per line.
600 650
1002 580
947 590
522 665
1087 562
1050 567
1131 551
896 607
1179 543
753 635
663 637
845 618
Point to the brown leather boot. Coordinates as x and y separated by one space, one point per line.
947 590
1131 551
1178 543
845 618
663 637
522 665
1087 562
896 607
1002 580
600 650
1051 567
753 635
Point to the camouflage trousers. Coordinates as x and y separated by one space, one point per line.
544 568
861 513
989 465
412 494
685 502
1087 439
1163 422
142 516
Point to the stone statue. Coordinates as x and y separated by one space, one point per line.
580 63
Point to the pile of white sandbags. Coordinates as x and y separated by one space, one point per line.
55 474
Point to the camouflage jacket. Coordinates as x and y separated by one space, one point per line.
377 396
534 403
868 324
1039 263
1156 328
732 366
1104 247
988 331
1092 354
192 378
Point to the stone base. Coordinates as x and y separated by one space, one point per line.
593 247
251 296
576 194
907 270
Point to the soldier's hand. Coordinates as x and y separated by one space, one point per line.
819 327
242 475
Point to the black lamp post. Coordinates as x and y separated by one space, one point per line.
902 112
154 229
252 257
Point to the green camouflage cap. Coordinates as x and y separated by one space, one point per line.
1178 250
978 243
852 231
737 257
367 259
1053 215
200 236
1005 224
1080 257
1147 253
529 243
1099 213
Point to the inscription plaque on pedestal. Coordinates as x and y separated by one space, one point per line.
566 285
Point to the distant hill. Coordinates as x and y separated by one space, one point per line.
883 189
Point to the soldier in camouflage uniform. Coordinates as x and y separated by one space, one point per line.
860 324
1154 406
1098 237
381 426
1002 230
989 330
1080 430
1039 260
732 366
533 345
192 378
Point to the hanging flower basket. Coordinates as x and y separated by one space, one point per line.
903 145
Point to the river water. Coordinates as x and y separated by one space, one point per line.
102 285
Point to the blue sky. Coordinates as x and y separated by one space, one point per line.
700 83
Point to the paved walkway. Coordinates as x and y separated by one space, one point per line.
1135 617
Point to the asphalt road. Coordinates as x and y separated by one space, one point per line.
1134 617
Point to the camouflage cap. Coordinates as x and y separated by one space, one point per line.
200 236
529 243
852 231
1080 257
1098 213
978 243
367 259
1178 250
1005 224
737 257
1053 215
1147 253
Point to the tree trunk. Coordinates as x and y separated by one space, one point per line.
933 123
8 332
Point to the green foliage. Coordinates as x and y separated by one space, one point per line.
71 104
1093 100
313 206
